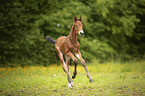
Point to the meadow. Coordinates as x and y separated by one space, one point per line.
110 79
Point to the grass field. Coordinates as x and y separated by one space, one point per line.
109 79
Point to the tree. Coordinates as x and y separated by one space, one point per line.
114 22
21 39
111 27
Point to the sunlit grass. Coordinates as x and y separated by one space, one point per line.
109 79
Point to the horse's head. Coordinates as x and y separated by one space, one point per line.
78 26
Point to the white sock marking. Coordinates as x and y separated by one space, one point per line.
78 56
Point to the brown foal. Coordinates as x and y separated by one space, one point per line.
69 46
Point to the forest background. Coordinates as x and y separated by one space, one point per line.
114 30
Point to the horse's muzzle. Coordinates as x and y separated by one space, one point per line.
81 33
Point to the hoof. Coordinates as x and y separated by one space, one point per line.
73 77
91 80
70 85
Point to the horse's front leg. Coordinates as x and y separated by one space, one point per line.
79 56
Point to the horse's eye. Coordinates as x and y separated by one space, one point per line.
76 25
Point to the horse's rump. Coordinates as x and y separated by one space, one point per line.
60 43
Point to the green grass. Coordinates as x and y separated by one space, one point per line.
109 79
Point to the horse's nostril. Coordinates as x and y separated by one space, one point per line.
81 33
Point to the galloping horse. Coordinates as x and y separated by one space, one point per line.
69 46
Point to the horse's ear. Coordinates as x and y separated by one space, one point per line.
81 19
75 19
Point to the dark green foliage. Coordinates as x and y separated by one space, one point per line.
116 22
112 28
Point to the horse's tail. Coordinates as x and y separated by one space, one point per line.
48 38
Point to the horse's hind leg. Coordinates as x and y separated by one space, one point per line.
65 67
67 61
75 63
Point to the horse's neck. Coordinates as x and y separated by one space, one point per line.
73 36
